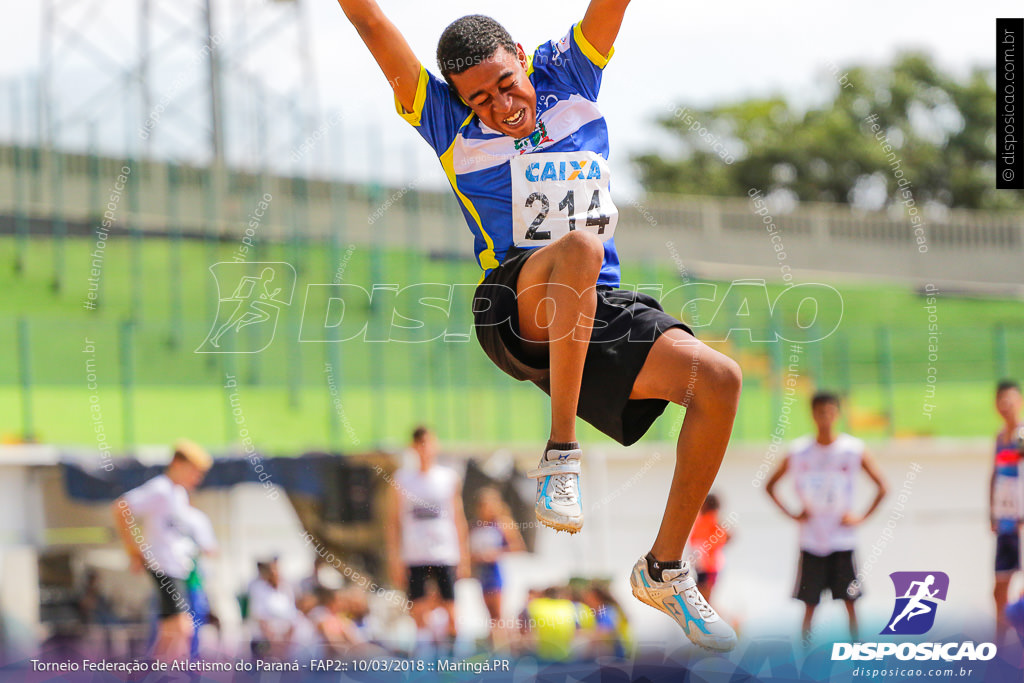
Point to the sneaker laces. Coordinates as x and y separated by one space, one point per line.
693 595
565 489
697 600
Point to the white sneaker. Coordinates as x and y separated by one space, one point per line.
677 596
558 490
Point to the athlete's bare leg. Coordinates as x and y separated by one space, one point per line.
499 637
173 636
1001 592
806 626
851 613
423 606
683 370
419 611
557 298
449 607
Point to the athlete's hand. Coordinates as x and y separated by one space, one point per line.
802 516
851 519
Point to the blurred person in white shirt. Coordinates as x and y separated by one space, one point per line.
157 527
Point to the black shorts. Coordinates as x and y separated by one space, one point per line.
836 572
627 324
1007 552
173 595
442 575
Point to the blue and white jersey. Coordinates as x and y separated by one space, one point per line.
533 190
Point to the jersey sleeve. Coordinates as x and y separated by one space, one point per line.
147 499
573 62
437 114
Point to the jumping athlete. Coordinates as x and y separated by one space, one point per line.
525 149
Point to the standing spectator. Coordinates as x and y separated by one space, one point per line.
824 467
706 541
426 532
1005 500
273 613
494 533
154 524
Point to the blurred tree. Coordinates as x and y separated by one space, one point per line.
939 129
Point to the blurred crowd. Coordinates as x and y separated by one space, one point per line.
320 617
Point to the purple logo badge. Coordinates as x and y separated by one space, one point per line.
918 595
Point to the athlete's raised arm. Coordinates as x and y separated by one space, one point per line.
388 46
601 23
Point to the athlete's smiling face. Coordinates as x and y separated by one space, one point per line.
499 92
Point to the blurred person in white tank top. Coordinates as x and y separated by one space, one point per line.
426 533
824 468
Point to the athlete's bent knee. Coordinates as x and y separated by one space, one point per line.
732 375
585 249
726 380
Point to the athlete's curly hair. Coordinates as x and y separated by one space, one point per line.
469 41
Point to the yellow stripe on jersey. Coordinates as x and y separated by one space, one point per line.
487 257
599 60
414 116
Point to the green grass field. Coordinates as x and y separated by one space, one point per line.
158 302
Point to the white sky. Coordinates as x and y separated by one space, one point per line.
667 52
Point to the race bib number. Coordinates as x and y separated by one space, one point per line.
554 193
1006 498
825 494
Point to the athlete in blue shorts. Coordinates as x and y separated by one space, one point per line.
1006 501
525 148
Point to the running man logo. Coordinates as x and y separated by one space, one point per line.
917 598
258 292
